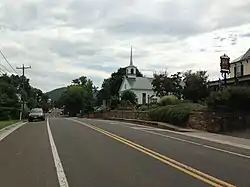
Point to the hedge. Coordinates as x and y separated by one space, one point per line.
174 114
169 100
236 98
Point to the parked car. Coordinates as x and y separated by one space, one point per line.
36 114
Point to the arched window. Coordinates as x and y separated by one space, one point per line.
132 71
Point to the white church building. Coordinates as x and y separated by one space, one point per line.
141 86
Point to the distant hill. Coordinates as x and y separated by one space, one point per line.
56 93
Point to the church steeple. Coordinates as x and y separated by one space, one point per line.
131 69
131 57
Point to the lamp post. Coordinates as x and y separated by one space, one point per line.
148 101
224 67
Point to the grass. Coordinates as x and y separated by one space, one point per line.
7 123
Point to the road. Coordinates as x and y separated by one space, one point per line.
70 152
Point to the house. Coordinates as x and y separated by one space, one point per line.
239 72
240 66
141 86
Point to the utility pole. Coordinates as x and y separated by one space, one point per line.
23 68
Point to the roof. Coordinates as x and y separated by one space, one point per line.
142 83
242 57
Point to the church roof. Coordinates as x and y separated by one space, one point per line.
142 83
242 57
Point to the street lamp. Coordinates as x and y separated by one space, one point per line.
224 67
149 99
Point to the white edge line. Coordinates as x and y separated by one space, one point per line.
171 137
229 152
142 128
203 145
9 129
59 168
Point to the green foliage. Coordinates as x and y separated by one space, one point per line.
7 123
147 107
169 100
129 96
177 84
196 86
126 105
9 103
78 97
231 98
163 84
174 114
10 88
114 102
54 95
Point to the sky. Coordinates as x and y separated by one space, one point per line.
63 40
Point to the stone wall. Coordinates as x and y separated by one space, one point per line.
218 121
128 114
212 121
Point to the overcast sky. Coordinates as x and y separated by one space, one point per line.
65 39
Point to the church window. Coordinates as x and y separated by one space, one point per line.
132 71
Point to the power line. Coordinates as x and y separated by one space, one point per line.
2 71
4 68
8 62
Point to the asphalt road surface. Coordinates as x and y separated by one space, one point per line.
70 152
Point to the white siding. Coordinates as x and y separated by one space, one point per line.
124 86
140 92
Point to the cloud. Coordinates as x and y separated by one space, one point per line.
66 39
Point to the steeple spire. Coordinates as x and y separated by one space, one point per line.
131 57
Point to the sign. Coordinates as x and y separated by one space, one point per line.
225 63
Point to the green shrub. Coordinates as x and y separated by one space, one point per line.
230 98
174 114
169 100
114 102
146 107
130 96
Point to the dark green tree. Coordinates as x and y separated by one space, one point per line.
78 97
162 84
177 87
195 85
129 96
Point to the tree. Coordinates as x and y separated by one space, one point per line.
78 97
162 84
9 102
11 87
177 84
73 100
196 85
129 96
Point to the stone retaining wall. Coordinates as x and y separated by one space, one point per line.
212 121
218 121
128 114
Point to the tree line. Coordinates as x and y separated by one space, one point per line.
11 93
83 96
188 85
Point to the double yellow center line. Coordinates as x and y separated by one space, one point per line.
173 163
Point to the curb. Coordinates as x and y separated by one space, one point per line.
12 125
151 123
